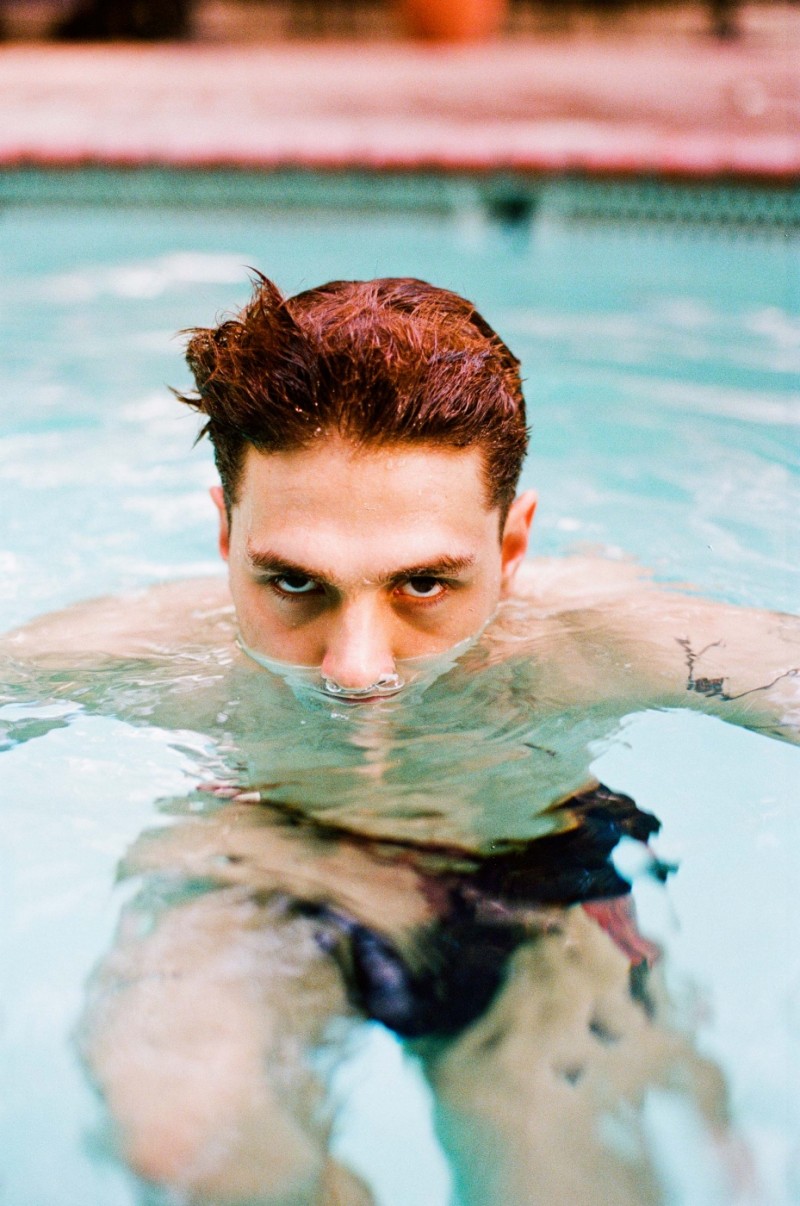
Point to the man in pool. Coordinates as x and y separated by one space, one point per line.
369 438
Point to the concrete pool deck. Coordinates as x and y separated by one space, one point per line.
675 103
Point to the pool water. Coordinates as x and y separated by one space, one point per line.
662 371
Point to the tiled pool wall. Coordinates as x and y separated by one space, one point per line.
511 198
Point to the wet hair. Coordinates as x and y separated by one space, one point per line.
381 362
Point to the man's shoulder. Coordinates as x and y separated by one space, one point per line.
622 595
135 624
557 584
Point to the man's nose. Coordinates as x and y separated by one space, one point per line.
358 652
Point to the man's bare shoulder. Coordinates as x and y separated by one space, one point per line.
556 584
141 623
622 596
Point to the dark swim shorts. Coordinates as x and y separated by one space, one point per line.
462 955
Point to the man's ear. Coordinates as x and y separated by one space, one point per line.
514 541
218 499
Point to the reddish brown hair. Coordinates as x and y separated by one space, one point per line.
380 362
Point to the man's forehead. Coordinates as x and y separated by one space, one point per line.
335 474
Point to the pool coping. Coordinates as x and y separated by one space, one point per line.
278 107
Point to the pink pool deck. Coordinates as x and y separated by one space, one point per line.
681 105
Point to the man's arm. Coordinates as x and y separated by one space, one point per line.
740 664
614 634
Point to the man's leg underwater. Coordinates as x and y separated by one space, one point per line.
198 1032
543 1098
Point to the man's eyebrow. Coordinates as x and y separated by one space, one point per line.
267 560
440 567
446 566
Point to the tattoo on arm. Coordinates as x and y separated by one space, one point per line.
542 749
714 688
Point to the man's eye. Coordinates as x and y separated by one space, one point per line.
295 584
422 588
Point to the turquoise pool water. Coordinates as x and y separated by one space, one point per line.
663 380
